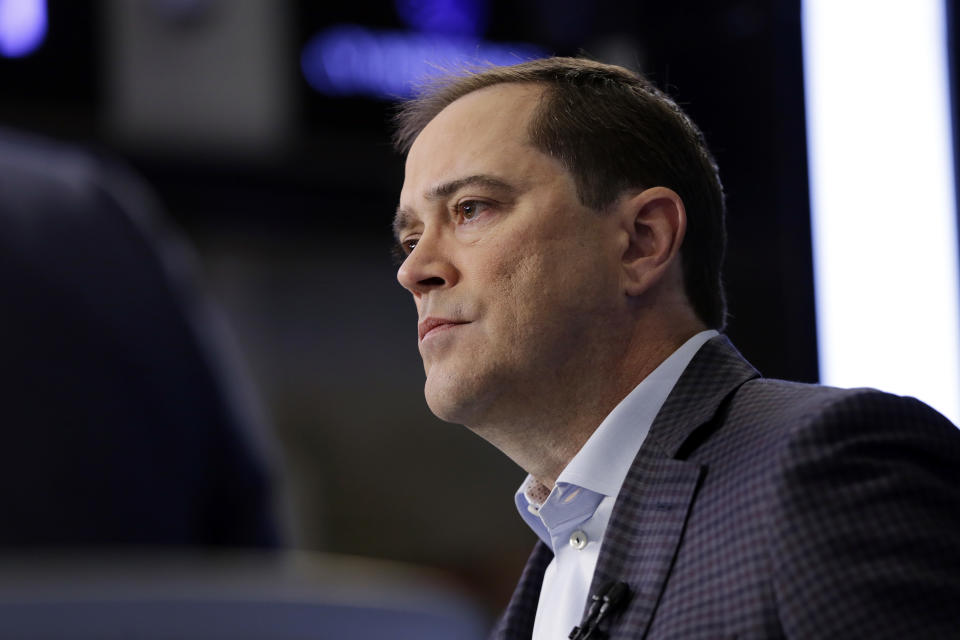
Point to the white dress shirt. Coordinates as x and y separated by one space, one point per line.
572 517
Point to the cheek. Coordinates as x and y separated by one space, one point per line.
530 291
535 279
517 269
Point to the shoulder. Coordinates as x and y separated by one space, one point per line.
48 187
864 510
32 165
793 436
808 411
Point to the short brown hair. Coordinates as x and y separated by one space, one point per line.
613 130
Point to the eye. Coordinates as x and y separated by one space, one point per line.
403 249
470 209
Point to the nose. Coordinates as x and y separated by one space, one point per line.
428 267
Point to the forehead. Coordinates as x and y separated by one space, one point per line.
484 132
500 109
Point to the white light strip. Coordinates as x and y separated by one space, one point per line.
882 195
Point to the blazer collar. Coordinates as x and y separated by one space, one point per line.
715 372
648 518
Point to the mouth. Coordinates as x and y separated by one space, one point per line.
431 326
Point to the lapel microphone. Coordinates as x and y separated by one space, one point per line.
612 596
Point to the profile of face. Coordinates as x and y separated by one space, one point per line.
514 280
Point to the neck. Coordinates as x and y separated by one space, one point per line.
542 434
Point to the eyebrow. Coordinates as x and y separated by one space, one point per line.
402 218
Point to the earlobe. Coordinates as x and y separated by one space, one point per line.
655 221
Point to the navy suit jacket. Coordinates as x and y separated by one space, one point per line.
760 508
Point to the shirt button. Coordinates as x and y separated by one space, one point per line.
578 540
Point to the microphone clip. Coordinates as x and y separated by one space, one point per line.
611 597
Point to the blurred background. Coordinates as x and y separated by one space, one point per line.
262 127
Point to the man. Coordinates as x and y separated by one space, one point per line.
562 227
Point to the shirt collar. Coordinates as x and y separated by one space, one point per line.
603 462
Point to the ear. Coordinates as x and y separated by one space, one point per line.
655 221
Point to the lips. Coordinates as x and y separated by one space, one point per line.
432 324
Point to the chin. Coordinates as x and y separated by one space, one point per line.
456 399
444 411
446 404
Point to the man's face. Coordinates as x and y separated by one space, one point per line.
514 280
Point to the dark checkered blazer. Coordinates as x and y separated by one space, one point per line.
767 509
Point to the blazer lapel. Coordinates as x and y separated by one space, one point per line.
650 513
517 620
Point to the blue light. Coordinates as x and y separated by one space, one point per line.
448 17
23 26
354 60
